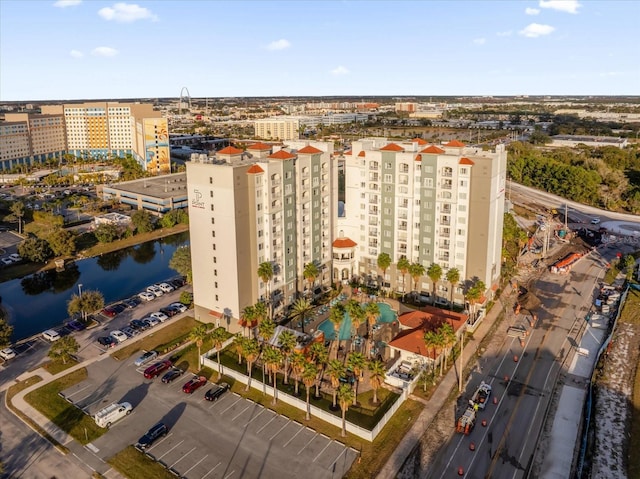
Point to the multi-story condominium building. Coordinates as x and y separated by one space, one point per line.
106 129
431 204
26 138
273 204
283 128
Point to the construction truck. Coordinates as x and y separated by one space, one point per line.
466 422
481 397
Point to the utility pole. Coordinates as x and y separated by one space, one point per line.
461 365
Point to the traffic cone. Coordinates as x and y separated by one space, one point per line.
472 446
522 343
506 379
484 423
495 400
515 358
460 471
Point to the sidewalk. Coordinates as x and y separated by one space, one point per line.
439 397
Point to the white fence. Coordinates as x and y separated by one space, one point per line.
302 404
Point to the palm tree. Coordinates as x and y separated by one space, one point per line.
435 273
372 312
287 342
197 335
302 310
403 266
345 397
266 329
357 363
247 317
265 273
298 362
218 337
431 342
310 273
272 357
416 270
376 377
64 349
18 210
448 340
384 261
474 294
261 312
357 315
250 352
337 370
336 316
320 356
309 378
238 344
453 278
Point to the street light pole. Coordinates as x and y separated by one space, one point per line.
461 365
80 298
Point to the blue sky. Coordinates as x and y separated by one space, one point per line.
71 49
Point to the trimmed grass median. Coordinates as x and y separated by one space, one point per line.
135 465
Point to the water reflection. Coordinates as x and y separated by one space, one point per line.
111 261
51 280
144 253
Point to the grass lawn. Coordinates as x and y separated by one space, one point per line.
135 465
631 311
161 339
101 248
66 416
54 367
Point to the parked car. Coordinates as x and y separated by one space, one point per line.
166 287
6 260
108 312
129 332
151 321
193 384
118 335
169 311
51 335
152 435
145 357
157 292
15 257
131 303
172 375
118 307
7 353
176 283
161 316
216 391
157 368
107 341
75 325
138 325
179 307
595 221
146 296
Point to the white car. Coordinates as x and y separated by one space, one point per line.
161 316
157 292
595 221
118 336
165 287
51 335
151 321
178 306
6 260
15 257
146 296
7 354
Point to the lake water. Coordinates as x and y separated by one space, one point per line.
39 301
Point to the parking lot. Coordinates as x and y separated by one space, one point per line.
231 437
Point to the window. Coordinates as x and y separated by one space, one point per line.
213 234
428 182
210 180
215 272
215 260
216 284
388 178
216 297
212 209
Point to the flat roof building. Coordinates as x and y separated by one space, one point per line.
158 194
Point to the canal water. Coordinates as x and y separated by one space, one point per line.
39 301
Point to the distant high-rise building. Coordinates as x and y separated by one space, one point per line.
277 128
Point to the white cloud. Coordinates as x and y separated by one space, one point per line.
67 3
281 44
104 52
505 33
569 6
480 41
340 70
126 13
76 53
536 30
531 11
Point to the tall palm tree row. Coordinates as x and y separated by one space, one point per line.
337 370
310 274
336 316
416 270
346 397
376 377
250 352
357 363
266 273
309 378
218 337
453 278
298 362
302 310
198 335
384 261
287 341
403 266
434 273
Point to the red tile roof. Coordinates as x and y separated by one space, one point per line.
413 342
361 154
418 157
392 147
433 149
216 314
455 143
347 152
281 155
255 169
466 161
309 149
259 146
419 141
230 150
344 243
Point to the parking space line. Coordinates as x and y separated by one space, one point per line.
310 441
230 474
241 412
214 468
285 425
161 441
239 398
187 471
170 450
183 456
81 389
92 403
255 417
320 453
260 430
344 450
293 437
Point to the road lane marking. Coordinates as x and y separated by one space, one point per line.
214 468
320 453
76 392
230 474
260 430
310 441
300 429
187 471
285 425
241 413
161 441
237 400
183 456
255 417
171 449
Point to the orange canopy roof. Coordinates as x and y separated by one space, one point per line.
281 155
344 243
419 141
361 154
392 147
433 150
255 169
455 144
230 150
309 150
466 161
259 146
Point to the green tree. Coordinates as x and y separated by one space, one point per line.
298 362
262 314
356 363
62 242
435 273
64 349
6 330
218 337
248 318
18 209
403 267
266 328
629 263
309 378
376 377
337 370
107 233
239 342
320 357
181 262
448 340
251 352
35 249
85 303
345 397
287 341
273 359
453 278
356 314
198 335
310 273
384 261
142 221
431 343
336 316
302 310
265 273
416 270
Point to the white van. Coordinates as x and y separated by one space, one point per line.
112 413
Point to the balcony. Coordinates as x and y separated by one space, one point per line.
374 200
373 252
402 227
373 244
373 221
447 173
446 209
374 186
446 185
444 222
444 233
373 166
373 232
373 211
373 177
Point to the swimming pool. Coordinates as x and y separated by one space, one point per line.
387 315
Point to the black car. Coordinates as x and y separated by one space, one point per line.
152 435
118 308
75 325
131 303
216 391
138 325
172 375
107 341
169 311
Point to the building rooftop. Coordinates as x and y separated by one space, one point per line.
164 186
